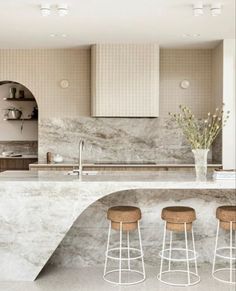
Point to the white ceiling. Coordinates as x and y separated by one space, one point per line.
94 21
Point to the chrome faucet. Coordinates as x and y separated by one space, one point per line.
81 146
80 169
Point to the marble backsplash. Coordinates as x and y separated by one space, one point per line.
85 243
116 140
20 147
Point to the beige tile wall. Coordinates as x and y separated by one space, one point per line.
125 80
42 69
217 75
193 65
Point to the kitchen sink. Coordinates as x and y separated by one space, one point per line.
84 173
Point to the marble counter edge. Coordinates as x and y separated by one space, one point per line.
95 165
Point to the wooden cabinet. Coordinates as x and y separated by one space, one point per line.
15 163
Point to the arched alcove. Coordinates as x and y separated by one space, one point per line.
18 121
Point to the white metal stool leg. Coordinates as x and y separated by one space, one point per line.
217 254
216 245
231 252
120 261
194 250
128 246
106 254
170 250
141 250
186 248
138 255
163 249
188 255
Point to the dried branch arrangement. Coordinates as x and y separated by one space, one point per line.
200 132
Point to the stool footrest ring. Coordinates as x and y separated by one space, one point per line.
222 280
197 278
223 256
122 249
192 255
124 270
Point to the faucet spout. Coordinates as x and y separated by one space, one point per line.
81 146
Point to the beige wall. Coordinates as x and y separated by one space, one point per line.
42 69
217 75
125 80
229 131
193 65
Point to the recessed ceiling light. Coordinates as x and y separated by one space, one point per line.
62 9
58 35
187 35
45 10
215 9
198 9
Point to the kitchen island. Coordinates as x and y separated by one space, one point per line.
37 209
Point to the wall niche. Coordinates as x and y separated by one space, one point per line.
18 122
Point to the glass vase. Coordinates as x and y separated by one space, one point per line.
200 157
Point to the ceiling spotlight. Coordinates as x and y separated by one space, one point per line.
215 9
187 35
45 9
198 9
62 9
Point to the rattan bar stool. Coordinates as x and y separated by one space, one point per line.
124 219
226 216
178 219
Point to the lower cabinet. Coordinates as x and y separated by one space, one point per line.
7 164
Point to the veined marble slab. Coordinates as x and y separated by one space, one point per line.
37 209
116 139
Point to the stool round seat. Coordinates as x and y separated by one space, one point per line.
128 215
226 214
177 216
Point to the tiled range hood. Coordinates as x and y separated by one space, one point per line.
125 80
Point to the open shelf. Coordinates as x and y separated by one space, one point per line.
19 99
21 119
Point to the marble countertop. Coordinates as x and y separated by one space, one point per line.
161 179
118 165
39 208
